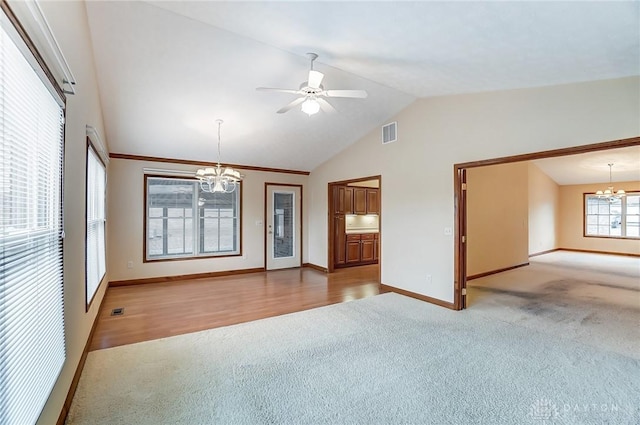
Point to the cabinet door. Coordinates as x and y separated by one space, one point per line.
367 250
359 200
338 199
353 249
339 247
348 200
376 248
373 201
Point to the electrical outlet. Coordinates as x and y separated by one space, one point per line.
448 231
428 278
129 264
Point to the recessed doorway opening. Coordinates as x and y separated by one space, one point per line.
354 224
461 185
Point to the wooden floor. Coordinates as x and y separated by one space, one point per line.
158 310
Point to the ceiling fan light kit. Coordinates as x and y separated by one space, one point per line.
310 106
313 93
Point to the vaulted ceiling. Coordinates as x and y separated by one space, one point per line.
168 70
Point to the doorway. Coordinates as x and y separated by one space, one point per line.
283 226
460 202
354 223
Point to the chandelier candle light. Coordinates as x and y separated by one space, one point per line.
609 193
218 179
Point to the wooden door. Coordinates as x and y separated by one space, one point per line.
353 249
376 249
367 250
373 201
359 200
339 242
338 199
348 200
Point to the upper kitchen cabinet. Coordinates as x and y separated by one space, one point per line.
373 201
342 200
360 200
366 200
355 200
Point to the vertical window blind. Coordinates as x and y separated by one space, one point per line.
95 248
32 339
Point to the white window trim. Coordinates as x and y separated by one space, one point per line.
623 218
93 283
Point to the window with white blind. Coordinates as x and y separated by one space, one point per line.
32 335
183 221
95 248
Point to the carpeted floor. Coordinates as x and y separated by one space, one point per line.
387 359
591 298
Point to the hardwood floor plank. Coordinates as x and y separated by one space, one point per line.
159 310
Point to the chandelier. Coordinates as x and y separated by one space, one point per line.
609 194
218 179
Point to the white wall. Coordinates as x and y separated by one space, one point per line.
497 217
544 211
126 212
572 220
434 134
69 24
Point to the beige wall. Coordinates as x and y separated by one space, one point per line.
126 211
544 211
497 216
572 220
82 109
436 133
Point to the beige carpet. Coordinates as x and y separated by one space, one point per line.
591 298
386 359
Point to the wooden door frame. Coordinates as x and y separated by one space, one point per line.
266 193
331 207
460 204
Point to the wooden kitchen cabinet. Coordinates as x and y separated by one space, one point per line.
348 200
373 201
338 199
359 200
361 249
376 248
339 242
353 249
342 200
367 243
366 201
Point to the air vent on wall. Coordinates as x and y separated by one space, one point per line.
389 133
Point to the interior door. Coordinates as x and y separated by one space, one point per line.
284 227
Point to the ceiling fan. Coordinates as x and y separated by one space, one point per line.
313 93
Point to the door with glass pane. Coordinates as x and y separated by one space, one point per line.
283 226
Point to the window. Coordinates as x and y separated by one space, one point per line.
618 218
185 222
32 338
95 248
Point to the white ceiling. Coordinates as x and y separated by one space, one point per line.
167 70
593 167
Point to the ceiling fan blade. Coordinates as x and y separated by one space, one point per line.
291 105
315 78
325 106
361 94
278 90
